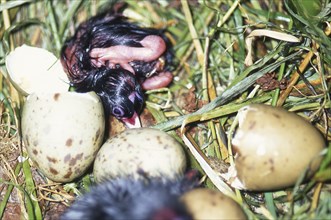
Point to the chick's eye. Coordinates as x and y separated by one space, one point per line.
118 112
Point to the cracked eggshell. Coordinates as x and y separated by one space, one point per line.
62 132
211 204
274 147
33 69
137 151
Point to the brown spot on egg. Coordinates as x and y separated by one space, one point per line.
236 150
53 171
211 192
221 197
158 139
52 160
97 134
74 160
69 142
35 152
276 115
272 164
68 174
142 172
56 96
80 142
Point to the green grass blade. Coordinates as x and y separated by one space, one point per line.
31 189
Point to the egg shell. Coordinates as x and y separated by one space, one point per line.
211 204
274 147
33 69
137 151
62 132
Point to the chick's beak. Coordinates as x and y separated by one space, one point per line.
133 122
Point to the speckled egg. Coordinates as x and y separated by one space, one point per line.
62 132
211 204
274 147
140 151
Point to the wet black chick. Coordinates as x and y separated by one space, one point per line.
109 41
125 199
119 90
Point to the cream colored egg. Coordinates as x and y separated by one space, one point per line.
140 151
212 205
33 69
274 147
62 132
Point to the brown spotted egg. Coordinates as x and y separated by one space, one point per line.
274 147
140 151
62 132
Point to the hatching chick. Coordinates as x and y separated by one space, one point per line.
110 40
